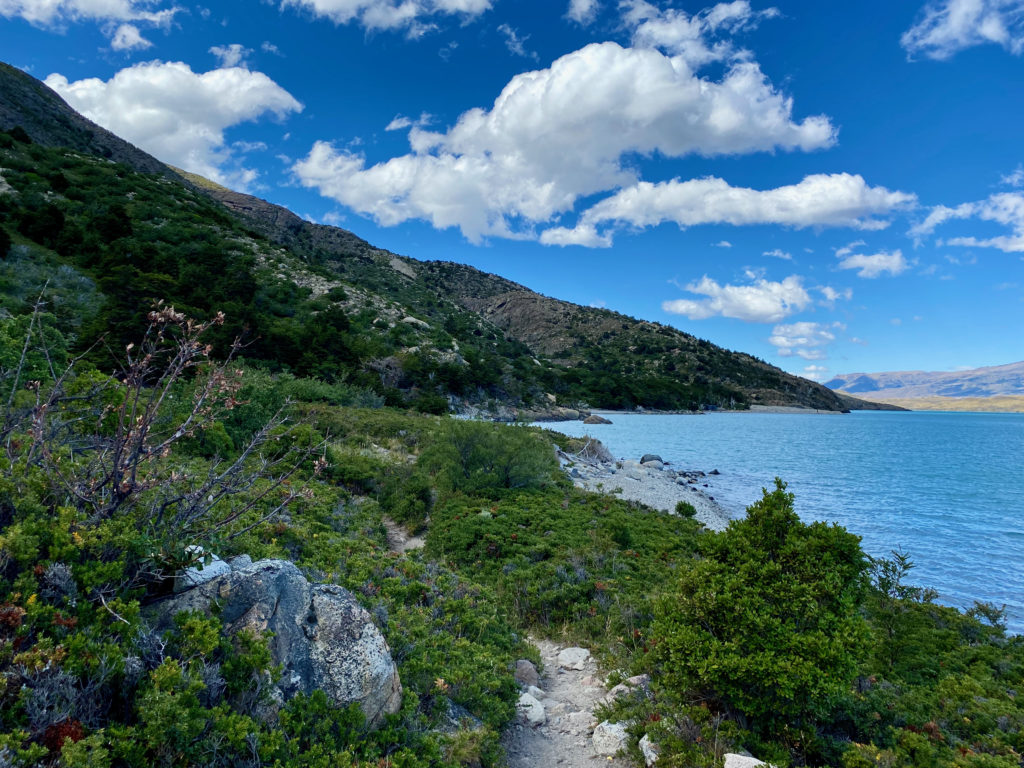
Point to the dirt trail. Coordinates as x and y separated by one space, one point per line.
399 539
564 740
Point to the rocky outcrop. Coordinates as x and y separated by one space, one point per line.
595 419
322 637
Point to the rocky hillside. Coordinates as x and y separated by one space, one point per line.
47 118
412 329
604 354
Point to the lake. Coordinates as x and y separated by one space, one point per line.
948 488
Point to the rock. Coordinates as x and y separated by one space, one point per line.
652 464
536 692
733 760
595 419
201 573
609 738
410 320
321 636
581 722
649 750
457 718
714 472
651 457
531 711
526 674
639 681
638 686
573 658
616 693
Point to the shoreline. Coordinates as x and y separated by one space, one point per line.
652 483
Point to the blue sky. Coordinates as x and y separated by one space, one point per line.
833 187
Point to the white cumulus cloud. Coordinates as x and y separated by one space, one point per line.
583 11
231 55
123 36
697 39
804 339
872 265
179 115
945 27
1005 208
822 200
761 301
815 372
127 37
560 133
414 16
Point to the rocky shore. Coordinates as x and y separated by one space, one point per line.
648 480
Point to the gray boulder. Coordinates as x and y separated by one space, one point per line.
609 738
573 658
531 711
651 457
526 674
322 637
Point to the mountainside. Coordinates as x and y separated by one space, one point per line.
320 301
610 359
990 381
47 118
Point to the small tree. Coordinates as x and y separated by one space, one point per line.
105 443
765 628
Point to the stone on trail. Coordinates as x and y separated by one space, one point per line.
531 711
609 738
573 658
526 674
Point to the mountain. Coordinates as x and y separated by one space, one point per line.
47 118
320 301
991 381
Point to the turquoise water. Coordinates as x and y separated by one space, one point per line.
946 487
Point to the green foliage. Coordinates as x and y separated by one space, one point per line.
477 457
766 624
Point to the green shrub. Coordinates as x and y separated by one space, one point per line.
766 625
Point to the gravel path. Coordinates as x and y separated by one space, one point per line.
563 740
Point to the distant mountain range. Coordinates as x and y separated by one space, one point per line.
974 389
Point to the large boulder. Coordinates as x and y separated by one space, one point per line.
595 419
322 637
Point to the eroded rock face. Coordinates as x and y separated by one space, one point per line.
322 637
